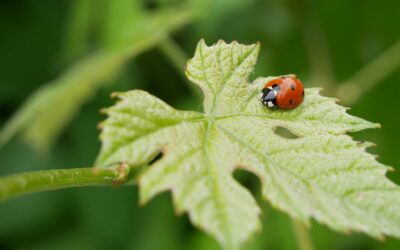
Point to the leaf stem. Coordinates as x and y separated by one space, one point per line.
302 236
29 182
319 57
178 58
175 54
373 73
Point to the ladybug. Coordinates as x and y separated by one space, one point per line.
285 92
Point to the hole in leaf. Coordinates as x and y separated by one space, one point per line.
285 133
156 158
248 180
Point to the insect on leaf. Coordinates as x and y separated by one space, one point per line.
322 173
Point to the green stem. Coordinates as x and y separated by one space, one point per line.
177 56
29 182
79 23
373 73
319 57
316 46
302 236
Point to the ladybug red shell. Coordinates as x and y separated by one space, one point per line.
285 92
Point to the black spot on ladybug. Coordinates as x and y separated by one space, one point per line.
303 93
290 101
292 86
273 86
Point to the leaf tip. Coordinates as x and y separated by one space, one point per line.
366 144
390 168
142 200
201 43
100 126
373 125
178 210
222 42
115 95
103 111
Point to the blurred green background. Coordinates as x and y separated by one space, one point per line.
60 60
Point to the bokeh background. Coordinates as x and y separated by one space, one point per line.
60 60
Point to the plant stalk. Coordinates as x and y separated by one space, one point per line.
30 182
178 58
373 73
175 54
302 236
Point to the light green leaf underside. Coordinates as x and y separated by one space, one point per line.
43 116
322 174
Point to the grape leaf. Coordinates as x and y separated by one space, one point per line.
322 174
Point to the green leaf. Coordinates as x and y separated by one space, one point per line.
321 174
43 116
